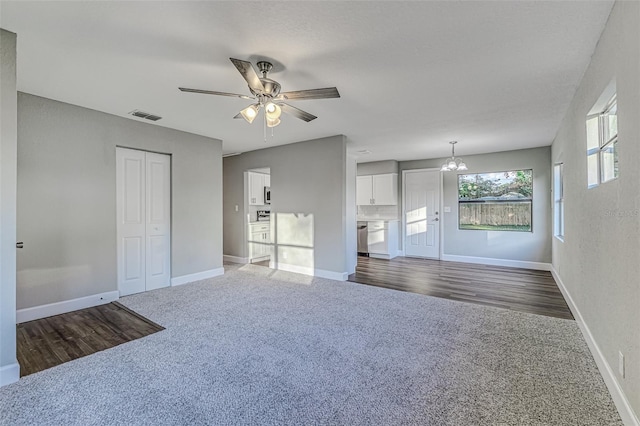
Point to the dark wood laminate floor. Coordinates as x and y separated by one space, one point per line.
48 342
518 289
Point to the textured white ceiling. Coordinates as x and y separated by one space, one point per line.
493 75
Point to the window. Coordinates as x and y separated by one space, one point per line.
558 201
602 144
499 201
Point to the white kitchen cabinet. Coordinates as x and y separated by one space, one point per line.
257 182
259 240
383 238
380 190
364 190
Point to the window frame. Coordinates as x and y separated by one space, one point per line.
558 201
528 201
603 145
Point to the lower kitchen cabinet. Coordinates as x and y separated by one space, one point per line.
259 241
383 238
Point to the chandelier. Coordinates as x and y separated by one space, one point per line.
453 163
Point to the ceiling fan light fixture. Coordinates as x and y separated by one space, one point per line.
272 122
273 111
250 113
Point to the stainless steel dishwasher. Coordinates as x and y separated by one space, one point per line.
363 239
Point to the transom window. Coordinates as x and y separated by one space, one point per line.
602 144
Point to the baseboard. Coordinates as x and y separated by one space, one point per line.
184 279
9 374
51 309
498 262
617 394
314 272
380 256
235 259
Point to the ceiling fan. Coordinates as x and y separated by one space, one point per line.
268 96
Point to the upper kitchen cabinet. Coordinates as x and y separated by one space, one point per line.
257 182
380 190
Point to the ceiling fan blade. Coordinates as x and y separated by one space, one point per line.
325 93
297 112
211 92
248 73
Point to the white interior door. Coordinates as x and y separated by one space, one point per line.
421 208
143 220
158 224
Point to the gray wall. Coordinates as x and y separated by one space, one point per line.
67 198
521 246
306 177
8 136
599 260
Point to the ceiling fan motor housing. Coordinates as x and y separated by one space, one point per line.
271 87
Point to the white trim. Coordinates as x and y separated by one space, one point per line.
617 394
381 256
57 308
401 253
235 259
185 279
259 259
314 272
9 374
541 266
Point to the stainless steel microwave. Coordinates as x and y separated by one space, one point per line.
267 195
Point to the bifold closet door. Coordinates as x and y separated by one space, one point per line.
143 220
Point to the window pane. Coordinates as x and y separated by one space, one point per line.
609 161
610 122
561 222
593 136
495 216
592 169
558 218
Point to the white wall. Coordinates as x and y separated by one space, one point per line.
67 198
599 260
9 368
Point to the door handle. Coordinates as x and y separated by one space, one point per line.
19 244
436 219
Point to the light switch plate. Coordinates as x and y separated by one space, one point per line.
447 209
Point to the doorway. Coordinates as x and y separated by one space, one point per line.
421 212
143 181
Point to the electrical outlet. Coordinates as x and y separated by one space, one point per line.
284 254
236 207
621 364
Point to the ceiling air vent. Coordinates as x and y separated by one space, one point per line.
146 115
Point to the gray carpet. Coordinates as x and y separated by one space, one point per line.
258 347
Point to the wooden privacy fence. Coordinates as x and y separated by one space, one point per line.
496 213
